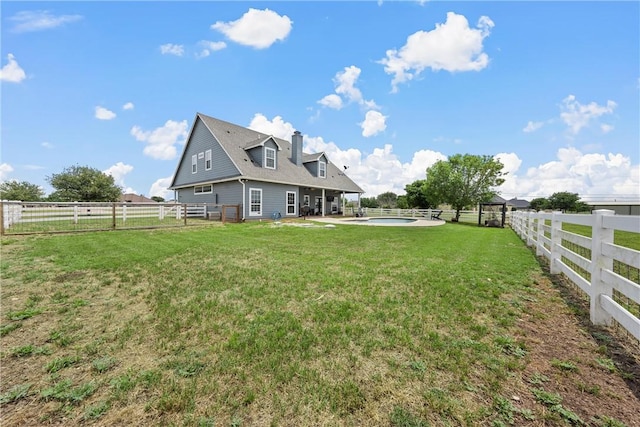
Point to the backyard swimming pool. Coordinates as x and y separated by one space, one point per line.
389 220
383 221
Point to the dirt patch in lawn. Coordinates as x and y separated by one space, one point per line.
576 373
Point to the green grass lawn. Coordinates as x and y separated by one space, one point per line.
252 324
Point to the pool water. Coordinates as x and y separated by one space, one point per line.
390 220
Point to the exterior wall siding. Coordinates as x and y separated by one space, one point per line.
274 199
228 193
256 155
201 141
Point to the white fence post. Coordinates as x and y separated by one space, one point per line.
539 234
161 212
75 213
529 228
600 235
124 213
556 242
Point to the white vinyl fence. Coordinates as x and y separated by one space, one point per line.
606 272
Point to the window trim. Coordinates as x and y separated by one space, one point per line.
251 204
207 160
268 150
322 169
194 163
293 204
204 189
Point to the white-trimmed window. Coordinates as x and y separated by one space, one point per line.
203 189
291 203
207 160
322 169
269 158
194 163
255 202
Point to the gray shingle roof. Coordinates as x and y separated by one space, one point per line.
236 139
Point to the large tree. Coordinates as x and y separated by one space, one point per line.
565 201
20 190
416 196
387 200
368 202
83 184
463 181
539 204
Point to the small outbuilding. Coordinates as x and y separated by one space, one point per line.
492 214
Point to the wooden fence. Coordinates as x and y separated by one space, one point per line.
607 273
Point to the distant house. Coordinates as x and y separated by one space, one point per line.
518 204
512 204
135 198
268 177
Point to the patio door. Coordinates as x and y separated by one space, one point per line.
318 210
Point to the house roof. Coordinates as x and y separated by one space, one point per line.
519 203
236 140
135 198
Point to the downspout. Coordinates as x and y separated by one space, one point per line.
243 197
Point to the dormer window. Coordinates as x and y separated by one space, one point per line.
322 169
269 158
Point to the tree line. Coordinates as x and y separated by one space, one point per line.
73 184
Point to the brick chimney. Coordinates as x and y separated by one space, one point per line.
296 148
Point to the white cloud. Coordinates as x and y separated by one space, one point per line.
592 176
104 114
5 170
532 126
606 128
38 20
276 127
578 116
118 172
172 49
331 101
160 188
345 83
47 145
374 123
257 28
128 106
510 161
452 46
208 47
12 71
162 141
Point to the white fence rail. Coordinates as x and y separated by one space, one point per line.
606 272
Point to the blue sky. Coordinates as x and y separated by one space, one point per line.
552 89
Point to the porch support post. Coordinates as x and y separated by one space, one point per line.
324 202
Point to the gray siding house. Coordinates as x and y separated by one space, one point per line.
227 164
